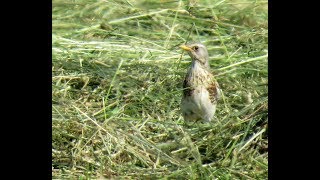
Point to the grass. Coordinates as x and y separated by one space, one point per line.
117 81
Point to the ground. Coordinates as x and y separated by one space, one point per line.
117 75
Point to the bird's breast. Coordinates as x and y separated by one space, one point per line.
200 81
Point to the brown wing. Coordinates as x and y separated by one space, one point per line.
213 88
186 87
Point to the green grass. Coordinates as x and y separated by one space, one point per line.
117 81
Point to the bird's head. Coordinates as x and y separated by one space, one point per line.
198 52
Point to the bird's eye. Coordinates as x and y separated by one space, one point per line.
195 48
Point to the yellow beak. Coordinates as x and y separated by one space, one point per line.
184 47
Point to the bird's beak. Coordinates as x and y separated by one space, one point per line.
184 47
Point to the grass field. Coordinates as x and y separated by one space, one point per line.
117 73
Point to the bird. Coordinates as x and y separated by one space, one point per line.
201 91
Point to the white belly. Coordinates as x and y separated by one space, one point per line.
198 106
